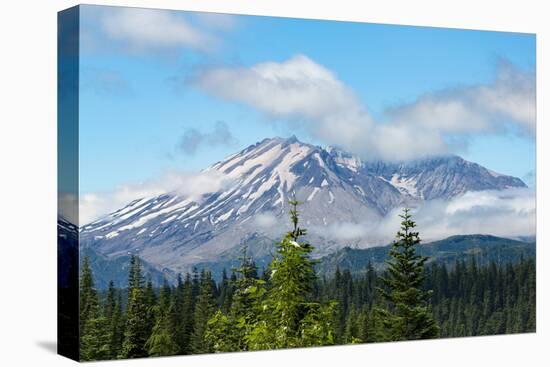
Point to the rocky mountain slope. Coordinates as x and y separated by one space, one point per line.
174 232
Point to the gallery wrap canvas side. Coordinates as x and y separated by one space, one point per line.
67 177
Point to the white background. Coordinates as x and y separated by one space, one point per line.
28 182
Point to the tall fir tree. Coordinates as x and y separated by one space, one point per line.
116 328
111 311
136 331
407 316
227 332
88 301
94 341
160 343
289 317
204 309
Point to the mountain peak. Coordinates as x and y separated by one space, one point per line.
176 232
281 140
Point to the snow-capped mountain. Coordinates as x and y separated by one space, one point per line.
175 231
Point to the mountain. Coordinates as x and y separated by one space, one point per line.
483 248
116 269
174 231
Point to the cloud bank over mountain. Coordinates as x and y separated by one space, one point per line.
189 184
307 95
505 213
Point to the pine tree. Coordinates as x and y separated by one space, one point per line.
116 329
351 333
175 315
408 316
222 334
227 332
187 316
204 309
225 292
164 295
289 318
136 333
87 294
110 301
94 342
150 304
110 312
160 343
364 327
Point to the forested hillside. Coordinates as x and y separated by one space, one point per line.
483 249
289 305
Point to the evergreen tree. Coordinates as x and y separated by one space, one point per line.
227 332
94 342
88 295
289 318
204 309
111 312
188 315
160 342
151 306
222 334
136 333
164 295
116 329
408 316
290 307
226 295
351 334
110 301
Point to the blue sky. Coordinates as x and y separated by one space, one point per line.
144 91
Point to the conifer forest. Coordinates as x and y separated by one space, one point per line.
287 305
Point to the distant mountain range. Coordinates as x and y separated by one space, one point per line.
172 232
483 248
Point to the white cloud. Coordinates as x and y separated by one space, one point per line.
192 185
510 98
265 220
151 29
506 213
301 91
297 87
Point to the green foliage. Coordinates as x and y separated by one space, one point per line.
223 333
116 329
95 343
232 331
137 329
288 306
88 296
407 316
288 318
160 343
204 309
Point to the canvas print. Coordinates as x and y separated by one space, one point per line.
233 183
